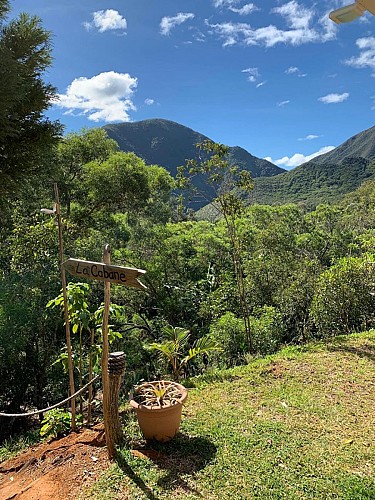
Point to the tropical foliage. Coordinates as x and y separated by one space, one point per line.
175 348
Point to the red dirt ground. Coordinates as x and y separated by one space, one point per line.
57 470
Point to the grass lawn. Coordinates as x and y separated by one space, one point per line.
296 425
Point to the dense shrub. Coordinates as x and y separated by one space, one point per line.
229 332
266 330
343 300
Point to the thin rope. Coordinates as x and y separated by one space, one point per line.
53 406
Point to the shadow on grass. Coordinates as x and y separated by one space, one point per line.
125 467
183 456
366 350
186 455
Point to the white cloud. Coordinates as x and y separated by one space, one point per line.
254 76
334 98
168 23
149 102
105 20
309 137
366 58
293 70
231 5
104 97
329 29
197 34
296 15
253 73
224 3
245 9
230 40
303 26
299 158
282 103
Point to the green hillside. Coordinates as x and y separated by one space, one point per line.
324 179
310 184
313 183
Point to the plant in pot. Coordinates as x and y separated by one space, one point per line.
158 404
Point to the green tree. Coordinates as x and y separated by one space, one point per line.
226 183
112 196
359 209
73 153
26 135
267 330
327 238
118 184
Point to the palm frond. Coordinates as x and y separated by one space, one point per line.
176 334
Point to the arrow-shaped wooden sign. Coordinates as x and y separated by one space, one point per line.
127 276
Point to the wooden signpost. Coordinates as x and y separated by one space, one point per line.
127 276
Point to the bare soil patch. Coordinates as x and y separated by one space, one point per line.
55 470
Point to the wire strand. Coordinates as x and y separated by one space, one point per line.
36 412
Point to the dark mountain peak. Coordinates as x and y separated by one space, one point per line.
154 126
170 144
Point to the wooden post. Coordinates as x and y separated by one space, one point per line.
66 313
108 424
116 367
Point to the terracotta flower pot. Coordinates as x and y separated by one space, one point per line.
158 417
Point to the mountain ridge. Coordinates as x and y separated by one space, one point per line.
361 145
324 179
169 144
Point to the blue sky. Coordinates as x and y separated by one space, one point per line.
277 78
